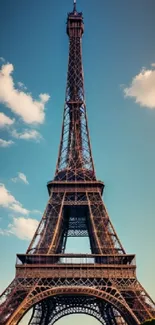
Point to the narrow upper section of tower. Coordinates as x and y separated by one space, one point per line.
75 25
74 9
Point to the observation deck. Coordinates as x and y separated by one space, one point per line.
67 266
75 186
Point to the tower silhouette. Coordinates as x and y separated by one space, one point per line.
102 284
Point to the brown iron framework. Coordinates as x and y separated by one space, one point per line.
102 284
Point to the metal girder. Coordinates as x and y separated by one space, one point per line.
126 295
75 214
61 306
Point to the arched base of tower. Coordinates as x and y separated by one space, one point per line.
108 306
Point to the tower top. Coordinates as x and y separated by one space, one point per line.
74 8
75 25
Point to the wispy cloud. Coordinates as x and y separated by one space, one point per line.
21 177
21 227
4 232
36 212
19 101
142 88
21 85
7 200
18 208
5 120
2 59
5 143
27 135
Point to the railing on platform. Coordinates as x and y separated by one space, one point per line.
81 259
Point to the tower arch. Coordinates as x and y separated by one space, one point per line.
113 298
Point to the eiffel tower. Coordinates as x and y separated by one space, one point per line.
102 284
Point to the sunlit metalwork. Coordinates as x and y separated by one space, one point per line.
102 284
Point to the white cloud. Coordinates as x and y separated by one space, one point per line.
5 120
21 177
21 227
27 135
21 103
2 59
36 212
21 85
44 98
5 143
4 232
17 207
142 88
7 200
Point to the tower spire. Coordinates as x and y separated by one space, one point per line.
74 8
75 161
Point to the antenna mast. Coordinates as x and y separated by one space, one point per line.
74 6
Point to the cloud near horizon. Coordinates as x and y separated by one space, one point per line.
20 102
142 88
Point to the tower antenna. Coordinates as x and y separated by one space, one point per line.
74 6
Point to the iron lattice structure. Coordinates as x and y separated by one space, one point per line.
102 284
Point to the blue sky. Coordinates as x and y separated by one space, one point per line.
119 69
